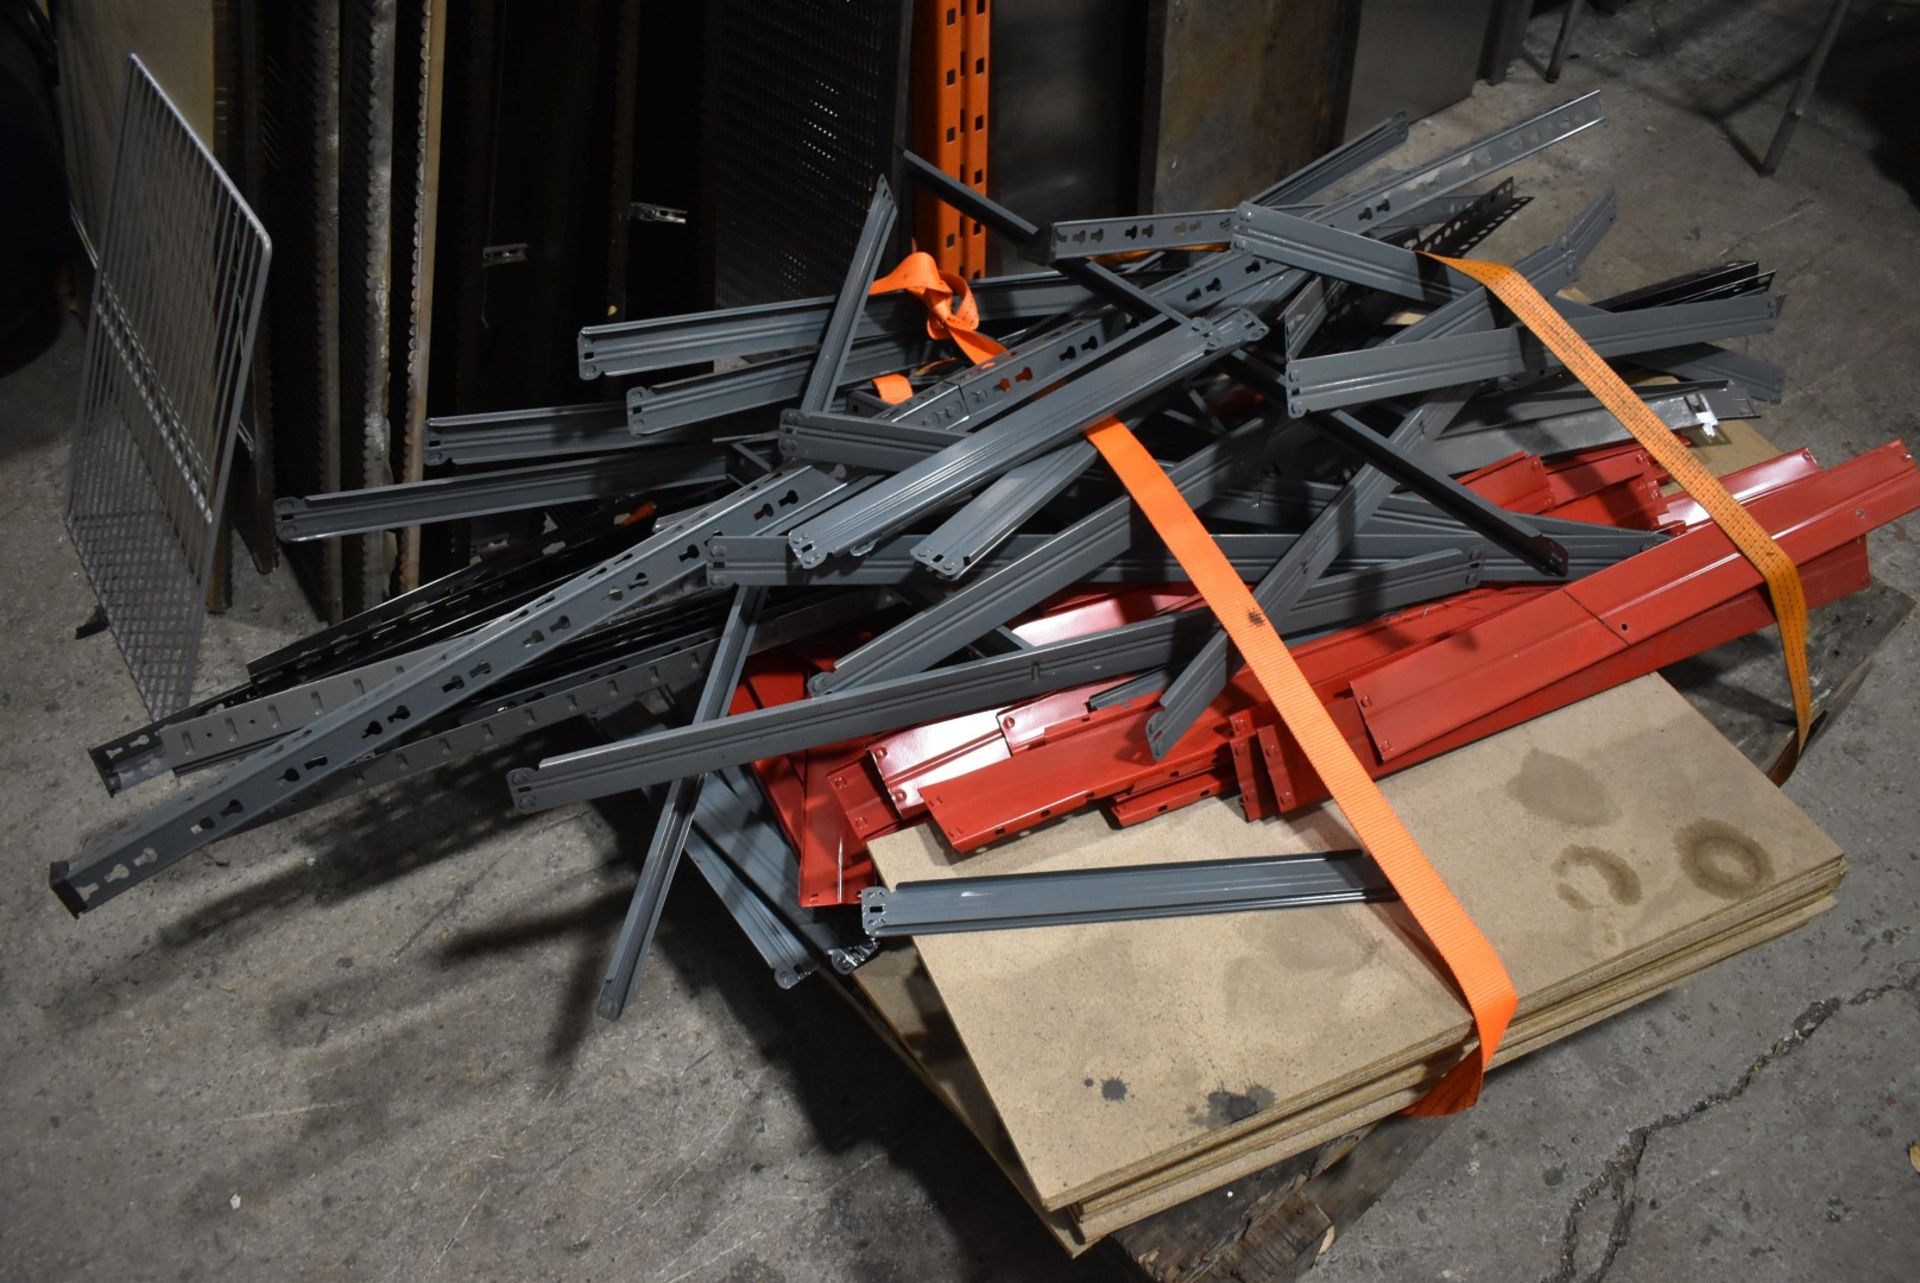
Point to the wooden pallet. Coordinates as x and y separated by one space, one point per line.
1272 1226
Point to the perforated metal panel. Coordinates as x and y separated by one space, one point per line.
366 275
182 274
300 126
806 102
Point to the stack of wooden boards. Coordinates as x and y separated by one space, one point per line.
1609 850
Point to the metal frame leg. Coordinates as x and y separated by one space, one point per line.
1803 92
1564 43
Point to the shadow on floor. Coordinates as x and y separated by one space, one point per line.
1873 74
852 1089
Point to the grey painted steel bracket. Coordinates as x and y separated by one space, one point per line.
507 435
1285 504
1550 268
1334 528
842 714
1504 528
773 936
1382 373
280 772
1277 593
446 601
1091 237
869 710
862 443
480 494
675 819
995 513
1076 238
675 406
667 342
777 943
1309 309
765 561
1442 210
1568 396
988 600
211 736
1157 361
588 692
742 826
1341 163
1477 159
1004 902
1704 361
1522 537
1475 447
836 340
1344 256
970 396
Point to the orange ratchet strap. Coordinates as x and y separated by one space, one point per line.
1469 956
1788 595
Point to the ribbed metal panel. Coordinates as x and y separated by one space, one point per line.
366 272
300 155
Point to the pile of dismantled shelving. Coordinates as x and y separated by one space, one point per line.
868 580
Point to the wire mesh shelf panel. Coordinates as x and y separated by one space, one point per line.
176 301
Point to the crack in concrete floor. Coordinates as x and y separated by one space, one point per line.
1619 1176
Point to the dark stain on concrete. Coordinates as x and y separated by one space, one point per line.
1616 875
1721 860
1559 788
1114 1089
1227 1107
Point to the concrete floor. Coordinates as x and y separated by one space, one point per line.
360 1045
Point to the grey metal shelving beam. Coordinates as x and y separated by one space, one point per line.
1076 238
973 395
1382 373
992 516
844 714
772 937
667 342
1344 161
675 818
765 561
1310 307
507 435
702 398
1463 448
1004 902
665 666
1344 256
1283 587
480 494
176 828
742 826
993 597
1335 527
1157 361
861 443
836 340
1502 527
